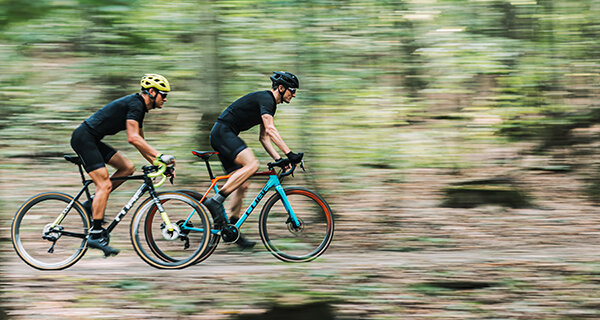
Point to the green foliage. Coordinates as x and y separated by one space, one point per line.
366 68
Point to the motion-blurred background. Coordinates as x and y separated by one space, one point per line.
462 128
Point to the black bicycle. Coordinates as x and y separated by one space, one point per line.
50 230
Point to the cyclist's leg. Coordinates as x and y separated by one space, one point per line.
103 189
249 165
237 159
99 238
123 165
93 154
239 183
237 198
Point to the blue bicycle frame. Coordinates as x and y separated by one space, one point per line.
273 182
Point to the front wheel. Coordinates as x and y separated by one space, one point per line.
170 249
296 243
43 246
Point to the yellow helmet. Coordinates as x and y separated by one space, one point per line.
156 81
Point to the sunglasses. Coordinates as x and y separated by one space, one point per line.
162 93
292 90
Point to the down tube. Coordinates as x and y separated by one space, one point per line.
284 199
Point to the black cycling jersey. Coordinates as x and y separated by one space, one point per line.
246 111
113 117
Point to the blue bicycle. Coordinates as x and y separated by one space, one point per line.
295 224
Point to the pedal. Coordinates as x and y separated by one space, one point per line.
108 253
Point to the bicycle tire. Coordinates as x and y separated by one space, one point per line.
302 244
36 214
147 238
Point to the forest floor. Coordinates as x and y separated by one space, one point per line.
397 254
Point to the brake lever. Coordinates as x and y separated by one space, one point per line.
302 166
170 173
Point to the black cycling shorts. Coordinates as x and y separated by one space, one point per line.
228 144
93 152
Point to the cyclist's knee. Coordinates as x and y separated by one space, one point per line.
253 166
104 186
129 169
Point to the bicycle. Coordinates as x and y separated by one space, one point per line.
59 221
295 224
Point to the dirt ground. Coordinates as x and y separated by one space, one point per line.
396 254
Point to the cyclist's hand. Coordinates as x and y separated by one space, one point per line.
166 158
287 166
294 157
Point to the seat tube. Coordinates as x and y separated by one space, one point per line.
286 203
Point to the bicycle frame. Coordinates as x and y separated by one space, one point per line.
273 182
147 186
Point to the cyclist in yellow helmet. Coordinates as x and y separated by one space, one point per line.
126 113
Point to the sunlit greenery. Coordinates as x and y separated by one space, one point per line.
386 86
365 67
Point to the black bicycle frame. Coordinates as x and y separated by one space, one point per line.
146 186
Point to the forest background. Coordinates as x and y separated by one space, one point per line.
402 106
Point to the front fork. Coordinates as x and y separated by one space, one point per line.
161 210
288 207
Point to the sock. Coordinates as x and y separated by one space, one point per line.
219 197
97 224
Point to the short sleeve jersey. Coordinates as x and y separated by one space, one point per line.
246 112
112 118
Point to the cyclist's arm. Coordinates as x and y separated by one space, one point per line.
272 133
265 140
135 136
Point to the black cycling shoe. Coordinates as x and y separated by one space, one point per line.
245 243
101 242
216 211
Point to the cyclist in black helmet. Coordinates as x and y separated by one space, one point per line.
124 114
256 108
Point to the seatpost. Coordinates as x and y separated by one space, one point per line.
81 173
87 191
210 173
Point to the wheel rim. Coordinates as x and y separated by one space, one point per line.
305 242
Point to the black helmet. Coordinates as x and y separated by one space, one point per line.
286 79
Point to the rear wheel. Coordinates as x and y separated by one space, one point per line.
45 247
296 243
175 249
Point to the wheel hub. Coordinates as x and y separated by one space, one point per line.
295 229
170 235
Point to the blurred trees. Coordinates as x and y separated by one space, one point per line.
370 70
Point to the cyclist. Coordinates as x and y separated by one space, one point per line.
126 113
238 160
